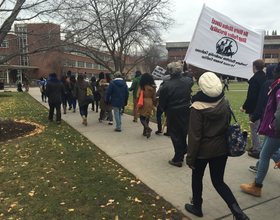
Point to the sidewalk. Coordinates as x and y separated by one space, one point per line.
148 160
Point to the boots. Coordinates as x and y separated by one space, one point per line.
74 110
147 129
144 132
84 120
237 212
64 109
254 188
195 208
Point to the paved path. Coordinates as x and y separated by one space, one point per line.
148 160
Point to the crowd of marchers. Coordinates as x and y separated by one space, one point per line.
202 117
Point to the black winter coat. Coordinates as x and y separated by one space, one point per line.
54 91
255 85
174 99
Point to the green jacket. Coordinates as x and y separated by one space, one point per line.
135 85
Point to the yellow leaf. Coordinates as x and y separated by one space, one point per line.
141 216
44 210
20 209
157 197
32 193
14 204
61 152
153 205
62 203
86 161
137 200
116 217
102 206
71 210
93 169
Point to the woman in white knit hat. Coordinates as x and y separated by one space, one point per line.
207 143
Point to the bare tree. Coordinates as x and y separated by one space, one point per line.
122 28
28 11
56 65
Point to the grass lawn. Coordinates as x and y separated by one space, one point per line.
60 174
236 99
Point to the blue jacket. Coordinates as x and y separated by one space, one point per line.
118 91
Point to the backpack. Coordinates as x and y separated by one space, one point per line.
236 139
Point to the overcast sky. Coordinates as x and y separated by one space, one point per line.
256 14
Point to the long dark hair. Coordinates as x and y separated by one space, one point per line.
146 79
80 81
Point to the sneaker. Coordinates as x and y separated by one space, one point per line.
158 132
254 155
99 120
166 134
58 122
110 123
117 130
253 169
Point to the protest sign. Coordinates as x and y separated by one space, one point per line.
222 46
158 72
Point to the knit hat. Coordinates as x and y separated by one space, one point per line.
53 75
138 73
174 68
210 84
117 74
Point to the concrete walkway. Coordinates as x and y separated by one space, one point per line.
148 160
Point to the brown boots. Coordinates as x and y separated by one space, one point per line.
254 188
84 120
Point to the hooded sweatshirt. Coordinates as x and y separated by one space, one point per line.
118 91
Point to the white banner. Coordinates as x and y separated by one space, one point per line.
222 46
158 72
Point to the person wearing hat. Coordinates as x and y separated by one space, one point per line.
134 87
174 99
54 92
118 93
207 139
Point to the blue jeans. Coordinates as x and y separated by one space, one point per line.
74 102
255 136
275 157
117 114
271 145
84 110
159 113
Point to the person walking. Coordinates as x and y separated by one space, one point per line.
159 110
54 92
103 86
94 87
226 82
80 92
271 141
66 94
147 87
118 92
255 85
208 144
134 87
262 101
72 92
174 99
101 76
42 86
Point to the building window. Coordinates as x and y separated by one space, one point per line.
102 67
23 45
81 64
89 65
5 44
267 55
65 62
275 55
72 63
95 66
107 58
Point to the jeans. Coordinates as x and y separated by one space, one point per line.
57 107
74 102
270 146
275 157
255 137
44 97
65 99
159 113
217 168
117 114
84 110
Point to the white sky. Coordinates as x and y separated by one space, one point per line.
256 14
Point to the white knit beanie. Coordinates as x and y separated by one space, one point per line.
210 84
